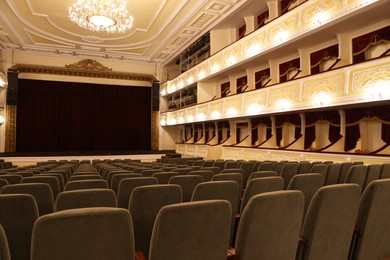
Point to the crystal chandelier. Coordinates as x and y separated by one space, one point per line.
101 15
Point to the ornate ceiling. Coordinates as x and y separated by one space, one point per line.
161 29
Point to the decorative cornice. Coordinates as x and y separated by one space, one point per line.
88 64
83 68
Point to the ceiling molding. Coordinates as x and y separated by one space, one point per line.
83 68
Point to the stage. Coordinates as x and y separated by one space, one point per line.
23 159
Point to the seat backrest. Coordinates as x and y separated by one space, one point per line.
208 163
320 168
150 172
278 166
18 213
385 172
373 223
266 166
182 171
248 168
265 231
4 248
163 177
330 220
215 170
260 185
304 167
261 174
145 203
237 177
85 177
126 187
111 174
233 170
41 192
220 164
187 184
219 190
86 184
51 180
118 177
333 174
12 178
198 230
357 174
198 163
373 173
288 171
206 175
85 199
232 165
308 184
59 176
344 170
3 183
64 173
90 233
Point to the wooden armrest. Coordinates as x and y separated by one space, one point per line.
303 241
139 255
232 254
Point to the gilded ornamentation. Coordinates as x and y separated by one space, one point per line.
155 130
371 77
26 68
256 98
290 93
319 7
88 64
327 86
10 129
288 25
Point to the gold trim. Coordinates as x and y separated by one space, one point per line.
10 129
83 68
88 64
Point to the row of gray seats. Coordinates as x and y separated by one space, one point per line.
270 226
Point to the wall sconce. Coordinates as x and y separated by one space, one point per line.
163 122
201 117
231 111
215 114
172 121
201 74
2 80
190 118
283 105
181 120
322 100
215 68
190 80
253 50
2 118
320 18
282 36
253 109
231 60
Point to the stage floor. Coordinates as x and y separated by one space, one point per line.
30 159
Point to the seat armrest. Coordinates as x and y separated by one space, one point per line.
232 254
139 255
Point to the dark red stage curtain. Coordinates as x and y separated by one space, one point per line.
64 116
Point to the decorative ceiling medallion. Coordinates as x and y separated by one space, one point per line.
101 16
